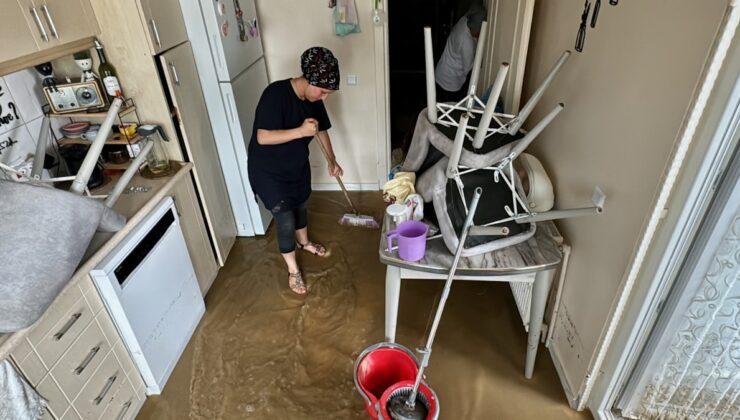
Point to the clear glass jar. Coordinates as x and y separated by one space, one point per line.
158 160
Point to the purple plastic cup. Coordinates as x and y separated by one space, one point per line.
412 240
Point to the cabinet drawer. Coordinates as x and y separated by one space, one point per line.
165 23
79 363
21 350
100 391
49 389
33 369
124 404
60 326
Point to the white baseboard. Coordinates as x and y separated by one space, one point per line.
333 186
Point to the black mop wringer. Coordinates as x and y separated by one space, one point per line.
354 218
402 400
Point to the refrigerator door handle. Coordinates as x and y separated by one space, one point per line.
214 48
229 106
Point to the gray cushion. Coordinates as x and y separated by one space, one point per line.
44 233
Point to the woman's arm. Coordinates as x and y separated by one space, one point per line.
272 137
334 168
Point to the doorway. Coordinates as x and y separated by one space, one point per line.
406 22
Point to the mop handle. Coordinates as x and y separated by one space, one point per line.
445 293
339 180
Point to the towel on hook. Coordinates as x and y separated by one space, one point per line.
19 400
346 20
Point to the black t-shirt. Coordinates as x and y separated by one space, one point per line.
280 174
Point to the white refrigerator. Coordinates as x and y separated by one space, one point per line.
227 46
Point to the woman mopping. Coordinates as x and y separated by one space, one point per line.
289 114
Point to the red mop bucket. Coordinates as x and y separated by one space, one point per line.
382 367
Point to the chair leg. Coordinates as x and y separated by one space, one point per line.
431 85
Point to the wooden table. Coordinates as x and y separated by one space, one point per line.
534 261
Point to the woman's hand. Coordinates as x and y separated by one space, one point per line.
335 170
309 128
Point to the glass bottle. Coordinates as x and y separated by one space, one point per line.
108 75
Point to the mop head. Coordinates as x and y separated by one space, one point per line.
359 220
399 410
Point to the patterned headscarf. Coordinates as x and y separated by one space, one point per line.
320 68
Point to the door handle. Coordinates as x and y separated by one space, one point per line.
156 33
175 77
50 20
39 25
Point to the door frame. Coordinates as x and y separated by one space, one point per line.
716 114
382 97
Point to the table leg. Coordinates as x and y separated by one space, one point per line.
392 295
540 292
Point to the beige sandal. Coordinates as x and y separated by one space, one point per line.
296 283
319 250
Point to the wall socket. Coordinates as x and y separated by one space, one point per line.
352 80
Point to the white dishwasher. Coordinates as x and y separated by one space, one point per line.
149 287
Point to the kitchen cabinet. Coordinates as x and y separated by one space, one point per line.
67 20
190 108
165 23
128 46
19 37
58 22
36 31
196 234
73 371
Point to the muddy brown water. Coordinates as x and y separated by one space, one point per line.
262 352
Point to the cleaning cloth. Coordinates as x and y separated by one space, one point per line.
346 20
19 400
401 186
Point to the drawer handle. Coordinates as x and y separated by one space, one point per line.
58 336
81 368
106 388
125 408
39 25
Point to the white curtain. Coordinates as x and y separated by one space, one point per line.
694 371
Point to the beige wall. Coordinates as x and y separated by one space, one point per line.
288 28
625 98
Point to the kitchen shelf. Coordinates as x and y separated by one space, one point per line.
115 140
123 112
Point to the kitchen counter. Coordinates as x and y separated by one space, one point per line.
135 206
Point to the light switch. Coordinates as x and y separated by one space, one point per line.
352 79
